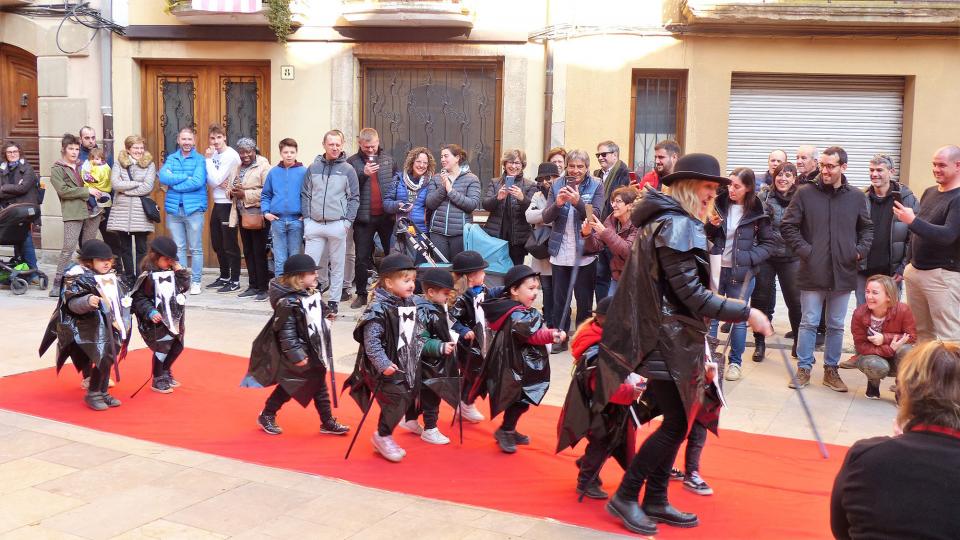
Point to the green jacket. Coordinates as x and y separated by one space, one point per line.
71 190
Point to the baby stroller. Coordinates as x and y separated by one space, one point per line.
15 224
410 236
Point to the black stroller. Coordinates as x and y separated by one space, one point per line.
15 225
410 236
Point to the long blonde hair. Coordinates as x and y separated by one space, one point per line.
294 282
928 385
382 280
685 193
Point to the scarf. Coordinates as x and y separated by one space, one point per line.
611 175
413 188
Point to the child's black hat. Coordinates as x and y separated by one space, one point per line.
164 246
437 277
603 305
299 264
468 261
516 275
95 249
395 262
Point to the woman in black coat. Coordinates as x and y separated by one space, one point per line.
655 327
507 199
19 184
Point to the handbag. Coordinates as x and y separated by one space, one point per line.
538 243
250 218
150 209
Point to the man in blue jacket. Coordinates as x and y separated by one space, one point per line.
280 203
185 175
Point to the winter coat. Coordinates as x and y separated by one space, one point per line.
330 191
507 219
288 339
281 191
18 184
619 176
899 321
618 239
186 181
591 192
400 193
468 316
438 371
131 181
534 215
251 185
385 177
453 210
753 240
656 325
71 190
146 303
775 204
829 229
899 233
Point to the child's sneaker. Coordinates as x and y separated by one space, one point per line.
161 384
505 441
387 447
173 382
110 400
85 383
676 474
332 427
694 483
94 400
268 423
470 413
433 436
520 438
412 426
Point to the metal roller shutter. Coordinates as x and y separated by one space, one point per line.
862 114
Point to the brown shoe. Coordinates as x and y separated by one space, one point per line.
802 378
851 363
832 380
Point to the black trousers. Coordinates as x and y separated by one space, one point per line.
223 239
448 245
655 458
363 233
429 405
112 240
99 380
132 250
604 275
163 362
549 313
582 291
321 400
695 443
765 293
512 415
394 400
517 254
255 253
593 459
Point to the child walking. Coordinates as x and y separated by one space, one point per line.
391 340
293 351
517 371
159 302
470 325
437 364
91 323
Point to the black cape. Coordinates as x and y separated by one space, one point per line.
160 336
470 354
441 375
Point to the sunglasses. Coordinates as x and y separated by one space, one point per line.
602 154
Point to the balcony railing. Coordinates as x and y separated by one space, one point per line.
424 13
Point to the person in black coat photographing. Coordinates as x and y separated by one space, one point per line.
656 327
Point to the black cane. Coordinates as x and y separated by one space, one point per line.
364 417
803 401
150 378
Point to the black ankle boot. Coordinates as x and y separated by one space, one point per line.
759 347
670 515
629 512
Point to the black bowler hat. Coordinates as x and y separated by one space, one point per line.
395 262
438 277
299 264
516 275
603 305
95 249
696 167
468 261
546 170
163 245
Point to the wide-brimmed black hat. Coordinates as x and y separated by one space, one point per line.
299 264
468 261
603 305
546 170
163 245
516 275
95 249
395 262
696 167
438 277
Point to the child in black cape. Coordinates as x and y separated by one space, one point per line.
517 370
438 368
390 337
293 351
470 325
159 303
91 323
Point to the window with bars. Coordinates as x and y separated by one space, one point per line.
658 102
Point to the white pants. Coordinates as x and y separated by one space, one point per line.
349 261
326 242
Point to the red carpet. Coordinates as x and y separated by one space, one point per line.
765 487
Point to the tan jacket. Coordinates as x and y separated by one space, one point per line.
250 186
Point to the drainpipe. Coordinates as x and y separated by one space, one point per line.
106 82
548 97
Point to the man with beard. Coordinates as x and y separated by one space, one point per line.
665 155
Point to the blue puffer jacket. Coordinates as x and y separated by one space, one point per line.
399 193
281 191
186 178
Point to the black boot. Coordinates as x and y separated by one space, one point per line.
759 347
793 350
671 516
631 515
592 491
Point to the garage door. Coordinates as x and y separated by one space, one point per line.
864 115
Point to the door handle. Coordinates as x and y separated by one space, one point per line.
24 99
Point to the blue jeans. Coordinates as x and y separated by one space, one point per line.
27 251
188 230
812 303
738 331
613 288
287 234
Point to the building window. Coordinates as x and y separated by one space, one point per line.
658 103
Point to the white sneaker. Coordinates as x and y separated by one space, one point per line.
195 288
470 413
85 383
412 426
733 373
433 436
386 447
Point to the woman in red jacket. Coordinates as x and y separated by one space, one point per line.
883 332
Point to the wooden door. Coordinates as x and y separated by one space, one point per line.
185 94
18 108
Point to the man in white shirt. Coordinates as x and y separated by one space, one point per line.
222 165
